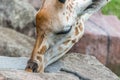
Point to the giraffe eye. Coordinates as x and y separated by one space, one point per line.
62 1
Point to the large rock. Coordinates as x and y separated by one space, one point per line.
102 39
13 43
19 15
21 75
73 66
35 3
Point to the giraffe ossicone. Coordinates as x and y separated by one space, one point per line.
65 17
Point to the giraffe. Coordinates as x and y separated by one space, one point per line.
59 25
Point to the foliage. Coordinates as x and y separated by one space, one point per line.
113 8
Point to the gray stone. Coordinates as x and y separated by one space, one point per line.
35 3
7 63
87 66
17 14
22 75
13 43
69 67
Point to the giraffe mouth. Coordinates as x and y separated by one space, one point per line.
32 66
64 32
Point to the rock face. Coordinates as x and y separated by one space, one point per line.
21 75
19 15
12 63
101 39
13 43
35 3
73 66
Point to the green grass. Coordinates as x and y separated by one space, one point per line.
112 8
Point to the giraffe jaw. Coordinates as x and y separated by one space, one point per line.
31 66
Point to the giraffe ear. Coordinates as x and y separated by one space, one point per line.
62 1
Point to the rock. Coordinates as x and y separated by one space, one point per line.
86 66
18 15
13 43
13 63
71 64
35 3
22 75
101 39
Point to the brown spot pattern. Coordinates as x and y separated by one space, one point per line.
73 41
67 18
39 58
80 27
76 31
66 42
43 49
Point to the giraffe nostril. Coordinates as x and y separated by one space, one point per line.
32 66
35 67
62 1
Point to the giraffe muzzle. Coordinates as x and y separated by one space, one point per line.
31 66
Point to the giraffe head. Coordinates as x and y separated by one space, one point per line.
58 15
55 17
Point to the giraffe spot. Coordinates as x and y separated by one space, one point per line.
66 42
67 7
63 13
43 49
39 58
72 3
80 27
71 6
74 41
77 23
76 31
69 37
67 18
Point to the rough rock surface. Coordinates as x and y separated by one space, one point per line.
35 3
84 65
102 39
17 14
13 43
21 75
